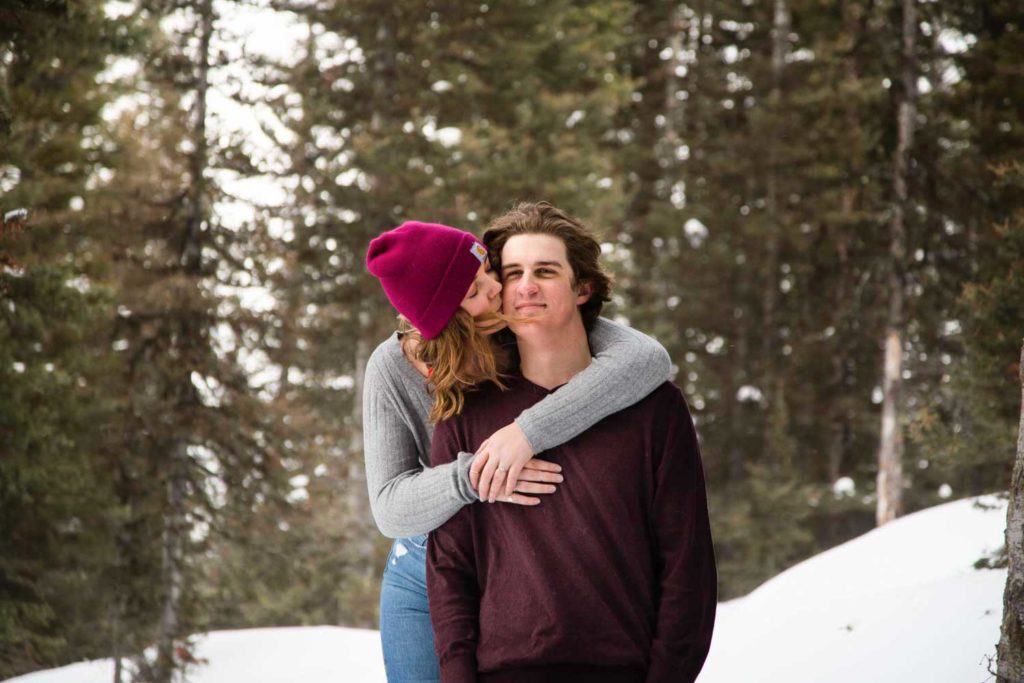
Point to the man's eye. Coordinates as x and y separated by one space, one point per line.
511 274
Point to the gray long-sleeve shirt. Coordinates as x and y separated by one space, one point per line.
408 497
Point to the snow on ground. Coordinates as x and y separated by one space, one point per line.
311 654
899 604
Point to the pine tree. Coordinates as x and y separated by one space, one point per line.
967 435
57 506
201 449
53 502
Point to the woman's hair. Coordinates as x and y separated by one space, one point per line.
461 357
581 247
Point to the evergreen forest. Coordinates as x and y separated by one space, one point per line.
816 206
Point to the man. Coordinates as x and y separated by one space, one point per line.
613 578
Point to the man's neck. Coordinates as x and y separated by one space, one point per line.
550 358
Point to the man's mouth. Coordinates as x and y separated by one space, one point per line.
528 308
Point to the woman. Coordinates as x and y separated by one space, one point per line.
439 280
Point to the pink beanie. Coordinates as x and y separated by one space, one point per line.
426 270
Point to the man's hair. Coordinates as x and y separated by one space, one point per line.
581 247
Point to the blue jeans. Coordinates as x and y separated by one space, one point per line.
405 631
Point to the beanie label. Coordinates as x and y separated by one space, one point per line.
478 250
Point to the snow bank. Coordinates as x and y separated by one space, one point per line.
899 604
311 654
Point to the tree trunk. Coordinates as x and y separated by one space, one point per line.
358 501
175 529
740 360
1010 651
845 306
176 520
678 29
842 419
652 23
780 47
361 528
890 455
116 637
772 382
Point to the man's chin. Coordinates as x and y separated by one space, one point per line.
529 321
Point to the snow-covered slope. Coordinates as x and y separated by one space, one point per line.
901 604
312 654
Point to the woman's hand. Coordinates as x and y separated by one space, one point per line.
507 452
536 477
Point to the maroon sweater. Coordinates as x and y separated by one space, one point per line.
612 578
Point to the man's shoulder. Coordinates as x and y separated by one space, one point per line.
661 407
666 395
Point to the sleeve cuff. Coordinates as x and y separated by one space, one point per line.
466 492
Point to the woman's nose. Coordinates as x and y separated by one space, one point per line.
493 286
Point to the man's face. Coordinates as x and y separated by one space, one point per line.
537 282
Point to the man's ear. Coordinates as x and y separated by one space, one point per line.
583 292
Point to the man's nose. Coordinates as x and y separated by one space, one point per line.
526 285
